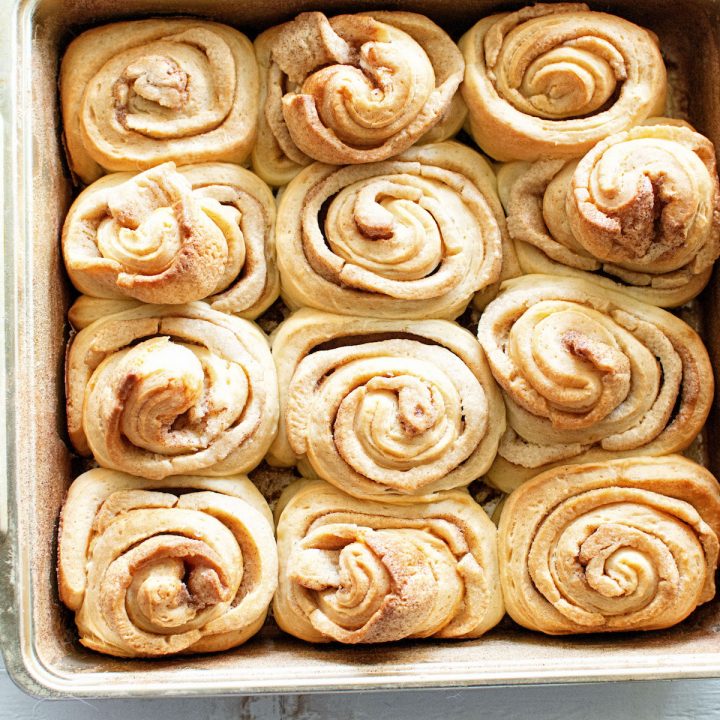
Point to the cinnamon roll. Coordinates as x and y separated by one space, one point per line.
590 374
385 410
354 571
353 89
642 207
621 545
411 237
136 94
174 235
551 80
158 567
160 390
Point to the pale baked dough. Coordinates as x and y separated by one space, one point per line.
158 567
613 546
136 94
590 374
174 235
353 89
551 80
390 410
641 207
355 571
160 390
411 237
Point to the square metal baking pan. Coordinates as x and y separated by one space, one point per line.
38 640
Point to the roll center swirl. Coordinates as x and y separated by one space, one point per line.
618 561
174 87
573 361
153 78
154 225
641 200
397 420
375 585
171 587
386 227
566 69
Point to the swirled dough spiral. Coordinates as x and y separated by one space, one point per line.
391 410
621 545
160 390
411 237
174 235
353 89
590 374
354 571
158 567
643 207
140 93
551 80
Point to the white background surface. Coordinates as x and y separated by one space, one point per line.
678 700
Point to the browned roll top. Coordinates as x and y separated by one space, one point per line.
174 235
640 211
353 89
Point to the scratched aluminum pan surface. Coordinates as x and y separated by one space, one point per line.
38 638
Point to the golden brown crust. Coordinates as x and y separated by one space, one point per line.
640 207
590 374
355 571
551 80
154 568
411 237
136 94
391 410
174 235
160 390
612 546
353 89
